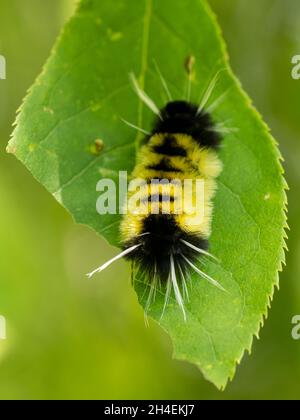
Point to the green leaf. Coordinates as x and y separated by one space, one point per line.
69 135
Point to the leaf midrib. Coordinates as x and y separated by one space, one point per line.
144 62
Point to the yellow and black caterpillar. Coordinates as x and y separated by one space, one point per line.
165 244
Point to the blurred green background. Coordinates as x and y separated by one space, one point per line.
69 338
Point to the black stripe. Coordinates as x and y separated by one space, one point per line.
170 147
163 166
169 150
158 198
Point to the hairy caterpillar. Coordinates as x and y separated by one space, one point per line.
183 145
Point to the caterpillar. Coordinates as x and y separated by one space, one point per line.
164 244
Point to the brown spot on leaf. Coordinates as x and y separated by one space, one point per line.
97 147
190 64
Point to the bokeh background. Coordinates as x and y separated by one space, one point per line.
72 339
